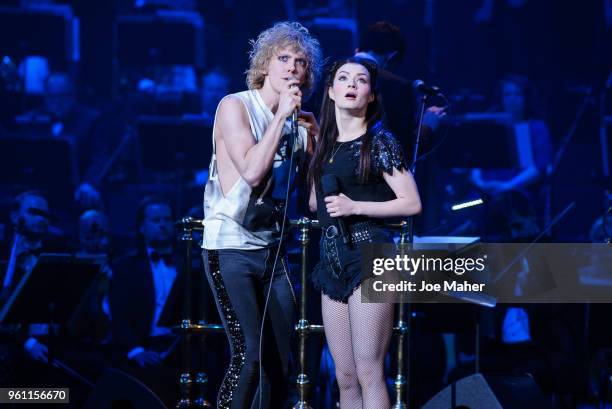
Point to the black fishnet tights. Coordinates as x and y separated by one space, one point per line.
358 336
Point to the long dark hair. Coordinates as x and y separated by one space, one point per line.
531 108
329 128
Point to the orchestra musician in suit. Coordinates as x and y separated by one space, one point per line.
145 286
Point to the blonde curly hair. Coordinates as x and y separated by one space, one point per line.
281 35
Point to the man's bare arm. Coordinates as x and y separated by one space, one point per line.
252 160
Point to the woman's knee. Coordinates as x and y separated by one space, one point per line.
370 372
347 380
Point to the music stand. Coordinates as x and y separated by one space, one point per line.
480 144
54 38
475 302
53 290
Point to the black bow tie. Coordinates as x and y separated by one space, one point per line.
168 258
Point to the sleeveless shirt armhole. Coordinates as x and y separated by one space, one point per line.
240 98
387 153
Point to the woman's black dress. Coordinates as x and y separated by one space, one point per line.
339 271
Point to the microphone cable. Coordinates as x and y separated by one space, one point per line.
293 138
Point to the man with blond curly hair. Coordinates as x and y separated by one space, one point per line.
253 159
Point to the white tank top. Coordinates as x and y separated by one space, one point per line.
224 215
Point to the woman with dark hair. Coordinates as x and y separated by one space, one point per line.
516 205
530 133
517 97
367 164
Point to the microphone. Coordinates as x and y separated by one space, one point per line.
329 185
294 122
294 117
420 87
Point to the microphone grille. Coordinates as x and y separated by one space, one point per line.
416 84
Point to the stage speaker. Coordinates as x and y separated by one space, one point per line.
494 392
117 390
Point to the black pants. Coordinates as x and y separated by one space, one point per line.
240 280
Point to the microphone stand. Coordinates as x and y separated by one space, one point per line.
404 318
552 167
418 139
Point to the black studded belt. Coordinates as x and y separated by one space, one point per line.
359 232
